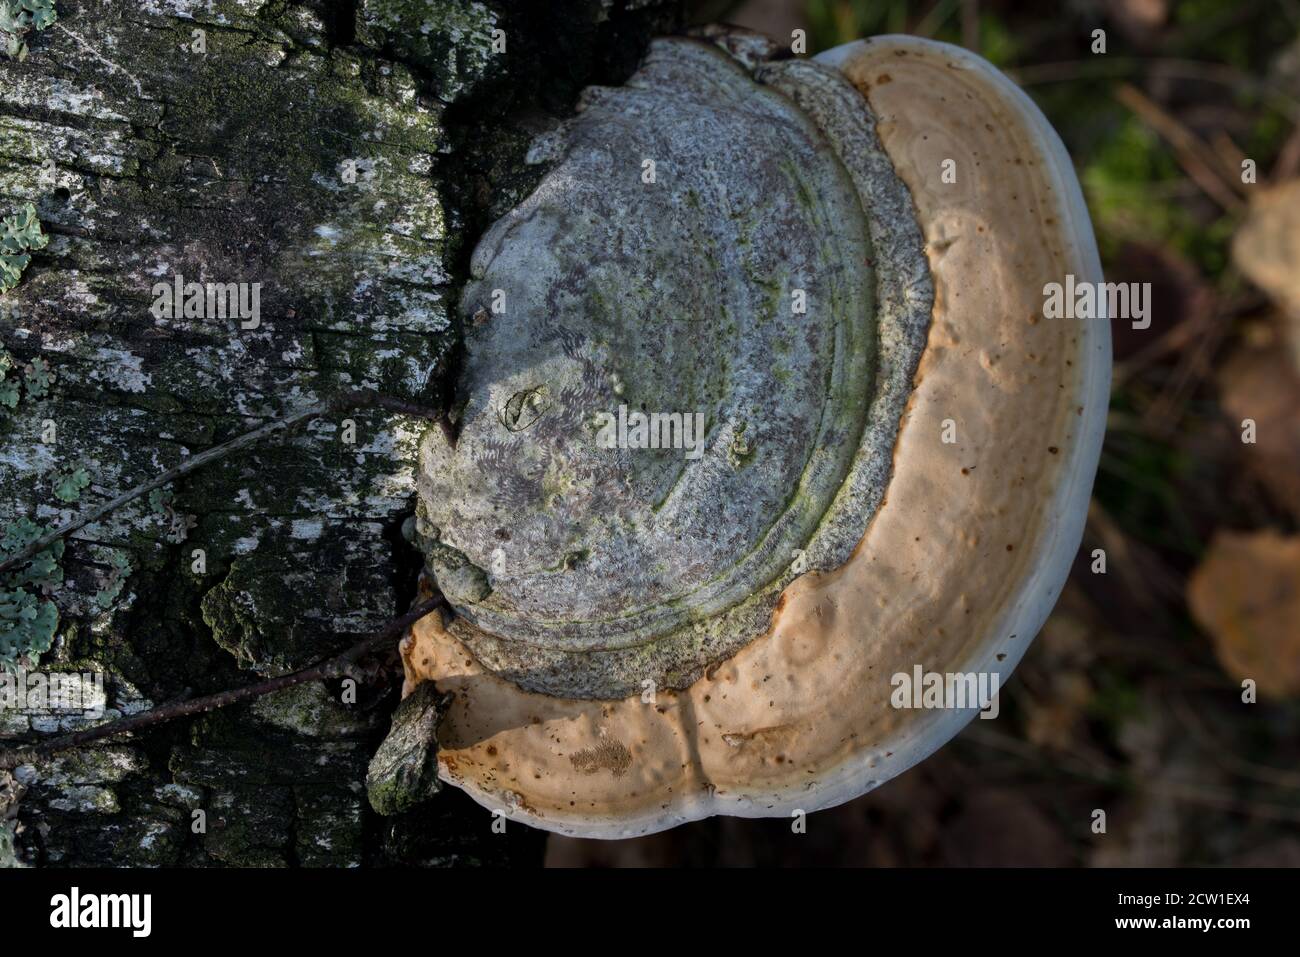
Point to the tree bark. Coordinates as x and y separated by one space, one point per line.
343 155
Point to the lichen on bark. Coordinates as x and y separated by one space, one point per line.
317 149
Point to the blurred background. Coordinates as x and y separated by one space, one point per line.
1131 699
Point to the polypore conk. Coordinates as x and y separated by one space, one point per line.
738 288
834 268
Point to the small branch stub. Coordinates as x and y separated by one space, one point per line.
404 771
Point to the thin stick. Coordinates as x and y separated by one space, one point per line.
1196 158
1288 158
329 668
354 399
1109 67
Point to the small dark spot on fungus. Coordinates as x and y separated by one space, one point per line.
1053 449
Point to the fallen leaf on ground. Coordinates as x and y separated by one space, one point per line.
1246 595
1259 384
1267 249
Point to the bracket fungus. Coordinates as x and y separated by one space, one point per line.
758 412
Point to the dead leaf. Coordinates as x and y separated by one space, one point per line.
1267 249
1246 594
1260 384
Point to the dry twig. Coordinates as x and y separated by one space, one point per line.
330 668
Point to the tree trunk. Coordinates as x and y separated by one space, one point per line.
343 155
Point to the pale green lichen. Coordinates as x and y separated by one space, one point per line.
28 618
20 17
68 484
8 858
9 388
38 378
118 572
178 524
160 500
19 234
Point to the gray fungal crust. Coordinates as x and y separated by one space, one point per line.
585 571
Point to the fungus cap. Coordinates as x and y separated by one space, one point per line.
939 482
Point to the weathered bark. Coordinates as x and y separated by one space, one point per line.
236 165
